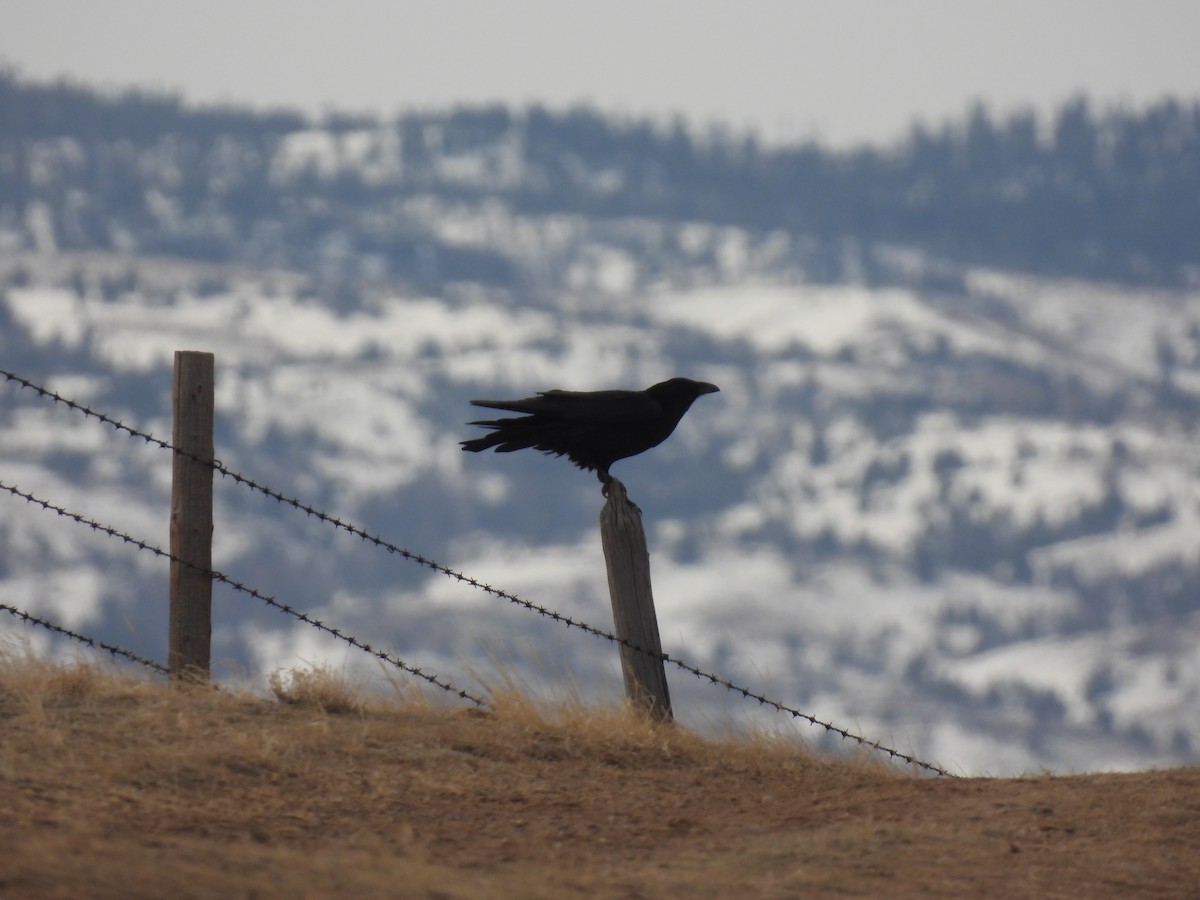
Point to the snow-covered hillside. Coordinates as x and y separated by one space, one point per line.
958 514
939 499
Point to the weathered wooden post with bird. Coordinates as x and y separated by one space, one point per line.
594 429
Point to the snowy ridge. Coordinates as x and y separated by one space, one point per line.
967 523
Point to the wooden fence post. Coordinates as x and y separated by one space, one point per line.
190 621
628 564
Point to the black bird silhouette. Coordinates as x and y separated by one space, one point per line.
591 428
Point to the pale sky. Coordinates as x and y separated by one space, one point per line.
844 72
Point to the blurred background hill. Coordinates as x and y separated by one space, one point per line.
949 493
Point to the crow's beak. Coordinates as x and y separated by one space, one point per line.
706 388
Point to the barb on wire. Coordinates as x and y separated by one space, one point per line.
238 586
499 593
83 639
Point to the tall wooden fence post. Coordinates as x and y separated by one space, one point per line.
190 625
628 564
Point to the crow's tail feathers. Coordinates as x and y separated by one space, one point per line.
475 445
506 436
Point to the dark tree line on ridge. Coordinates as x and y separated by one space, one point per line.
1111 193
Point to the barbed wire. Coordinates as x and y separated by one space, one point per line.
238 586
499 593
94 643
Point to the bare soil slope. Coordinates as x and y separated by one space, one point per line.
111 787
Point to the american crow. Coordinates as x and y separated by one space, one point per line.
591 428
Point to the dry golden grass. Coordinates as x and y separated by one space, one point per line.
114 787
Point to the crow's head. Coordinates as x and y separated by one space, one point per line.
680 393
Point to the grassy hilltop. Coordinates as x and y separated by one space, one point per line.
117 787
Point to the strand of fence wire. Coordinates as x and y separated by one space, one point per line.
462 578
90 413
94 643
383 655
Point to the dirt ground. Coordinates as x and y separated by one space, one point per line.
115 788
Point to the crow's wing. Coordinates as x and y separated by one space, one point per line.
582 406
